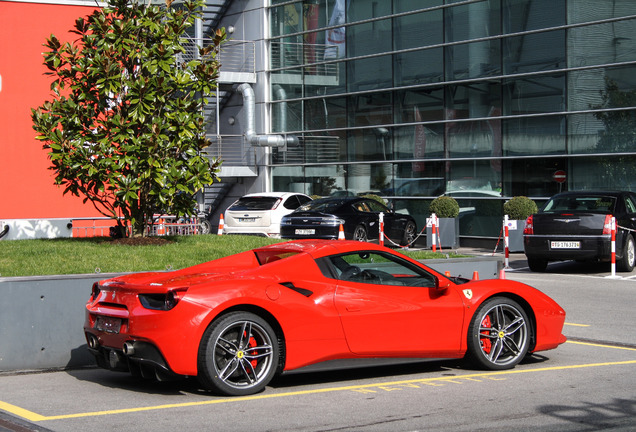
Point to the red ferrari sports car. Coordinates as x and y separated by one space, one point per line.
238 321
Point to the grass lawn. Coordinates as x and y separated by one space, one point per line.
101 254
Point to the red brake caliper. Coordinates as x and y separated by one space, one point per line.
252 344
486 344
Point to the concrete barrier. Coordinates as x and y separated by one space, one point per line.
42 317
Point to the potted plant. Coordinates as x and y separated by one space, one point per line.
446 209
518 209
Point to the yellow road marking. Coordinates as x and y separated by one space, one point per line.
603 346
34 417
576 325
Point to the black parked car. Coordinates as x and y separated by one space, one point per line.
577 226
359 216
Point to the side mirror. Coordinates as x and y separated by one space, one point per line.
441 285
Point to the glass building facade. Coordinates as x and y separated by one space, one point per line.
480 99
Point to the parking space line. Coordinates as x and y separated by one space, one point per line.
601 345
35 417
576 325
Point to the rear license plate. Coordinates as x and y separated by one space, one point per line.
305 231
565 245
108 324
247 219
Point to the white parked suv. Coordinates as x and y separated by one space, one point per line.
260 213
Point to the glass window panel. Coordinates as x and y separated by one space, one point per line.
472 101
289 179
580 11
325 180
370 109
534 52
608 172
418 30
370 73
365 9
602 43
324 147
534 135
584 133
369 38
531 177
325 113
425 104
473 60
416 142
369 144
476 185
418 179
535 94
525 15
400 6
287 116
286 19
419 67
473 20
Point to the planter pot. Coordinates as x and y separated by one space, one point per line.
448 233
515 235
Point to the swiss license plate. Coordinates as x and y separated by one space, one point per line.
247 219
565 245
305 231
108 324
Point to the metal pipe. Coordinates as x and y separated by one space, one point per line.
249 105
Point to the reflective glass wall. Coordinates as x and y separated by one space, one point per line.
483 100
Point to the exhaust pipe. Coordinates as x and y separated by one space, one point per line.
129 349
250 130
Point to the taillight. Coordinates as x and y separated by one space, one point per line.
278 201
529 228
607 225
95 291
174 296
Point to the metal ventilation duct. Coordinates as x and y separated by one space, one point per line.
250 132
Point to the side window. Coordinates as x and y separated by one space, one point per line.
379 269
630 204
292 203
303 199
376 206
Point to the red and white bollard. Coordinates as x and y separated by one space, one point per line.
613 246
506 243
381 229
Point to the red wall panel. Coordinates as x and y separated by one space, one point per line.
26 184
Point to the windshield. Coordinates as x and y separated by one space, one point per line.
254 203
581 203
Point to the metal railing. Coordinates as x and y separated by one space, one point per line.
233 55
232 149
164 225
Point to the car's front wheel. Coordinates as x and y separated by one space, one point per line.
238 354
499 334
628 260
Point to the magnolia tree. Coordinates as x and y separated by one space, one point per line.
125 125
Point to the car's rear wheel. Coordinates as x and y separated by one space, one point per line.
409 234
238 354
360 233
537 264
499 334
626 263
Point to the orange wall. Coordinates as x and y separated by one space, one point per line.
26 185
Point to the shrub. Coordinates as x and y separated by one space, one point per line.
444 207
520 207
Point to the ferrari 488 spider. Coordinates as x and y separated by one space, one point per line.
238 321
